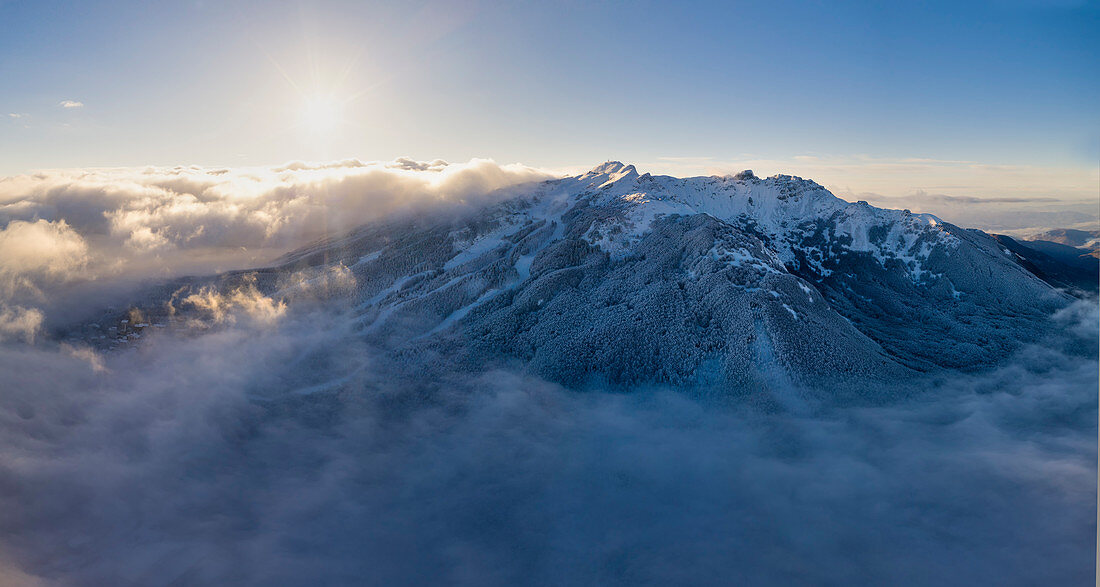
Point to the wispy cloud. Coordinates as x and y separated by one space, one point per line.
970 200
1021 197
904 176
71 104
1008 215
16 115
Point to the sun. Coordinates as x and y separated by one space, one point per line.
320 114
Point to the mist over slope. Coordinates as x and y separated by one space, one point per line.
611 378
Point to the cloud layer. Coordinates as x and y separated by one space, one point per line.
164 209
287 451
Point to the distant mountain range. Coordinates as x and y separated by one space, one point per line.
613 277
1086 239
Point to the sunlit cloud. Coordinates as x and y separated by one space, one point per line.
38 252
19 323
71 104
132 221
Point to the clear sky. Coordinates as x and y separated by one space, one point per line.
884 97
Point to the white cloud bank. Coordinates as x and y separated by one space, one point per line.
112 222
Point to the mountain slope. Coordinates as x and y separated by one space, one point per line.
616 277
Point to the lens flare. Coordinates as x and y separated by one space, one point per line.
320 115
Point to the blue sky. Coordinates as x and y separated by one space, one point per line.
801 87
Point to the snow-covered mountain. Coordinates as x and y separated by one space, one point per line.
618 277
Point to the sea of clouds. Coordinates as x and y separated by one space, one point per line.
277 446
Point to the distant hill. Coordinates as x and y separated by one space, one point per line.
1073 268
1089 239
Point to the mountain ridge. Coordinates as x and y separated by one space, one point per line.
615 277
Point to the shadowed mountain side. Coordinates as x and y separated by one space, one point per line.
1072 268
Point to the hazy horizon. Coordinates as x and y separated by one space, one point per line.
1016 214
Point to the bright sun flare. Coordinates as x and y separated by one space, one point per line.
320 114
